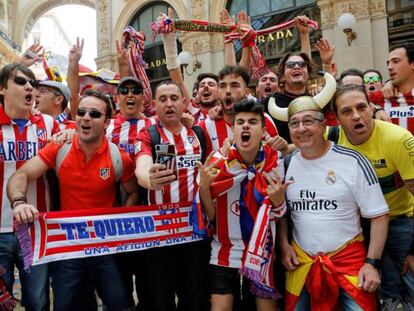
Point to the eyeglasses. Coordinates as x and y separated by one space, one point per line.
94 114
46 90
292 64
136 90
22 81
373 79
308 121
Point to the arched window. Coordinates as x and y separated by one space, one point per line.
154 52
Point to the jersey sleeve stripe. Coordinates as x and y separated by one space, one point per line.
362 162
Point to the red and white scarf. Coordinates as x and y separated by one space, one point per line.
257 215
135 44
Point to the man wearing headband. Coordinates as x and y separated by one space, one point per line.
326 260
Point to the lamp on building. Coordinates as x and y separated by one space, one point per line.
186 58
346 22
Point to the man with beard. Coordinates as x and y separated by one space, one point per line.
207 93
233 87
401 69
267 85
294 71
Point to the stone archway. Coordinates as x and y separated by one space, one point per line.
32 10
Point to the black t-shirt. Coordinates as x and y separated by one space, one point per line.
283 101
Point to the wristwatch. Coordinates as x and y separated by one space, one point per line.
376 263
376 109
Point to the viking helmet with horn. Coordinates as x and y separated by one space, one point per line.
301 103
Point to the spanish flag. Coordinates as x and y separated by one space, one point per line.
324 275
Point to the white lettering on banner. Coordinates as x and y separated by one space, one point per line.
77 234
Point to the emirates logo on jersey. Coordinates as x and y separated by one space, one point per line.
105 173
193 141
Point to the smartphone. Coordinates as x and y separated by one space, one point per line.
165 154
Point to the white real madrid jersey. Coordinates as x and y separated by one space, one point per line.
328 196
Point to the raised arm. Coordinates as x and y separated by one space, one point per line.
75 54
31 55
326 52
244 26
229 55
303 29
123 63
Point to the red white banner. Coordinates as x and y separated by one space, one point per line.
95 232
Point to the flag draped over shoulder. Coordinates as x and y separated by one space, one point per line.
102 231
257 215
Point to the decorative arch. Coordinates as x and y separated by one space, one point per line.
132 8
33 10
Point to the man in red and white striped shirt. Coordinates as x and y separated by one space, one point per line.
233 87
126 125
401 69
179 269
22 135
207 94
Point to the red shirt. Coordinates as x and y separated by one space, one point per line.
84 184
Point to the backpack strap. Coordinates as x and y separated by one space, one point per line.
286 160
61 155
113 150
202 139
155 138
116 160
333 134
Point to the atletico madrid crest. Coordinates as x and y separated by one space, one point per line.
193 141
105 173
41 134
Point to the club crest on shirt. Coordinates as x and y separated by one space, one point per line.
104 173
41 134
193 141
331 178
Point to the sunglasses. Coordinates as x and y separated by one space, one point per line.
374 79
94 114
22 81
124 90
292 64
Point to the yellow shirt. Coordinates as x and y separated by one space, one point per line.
390 149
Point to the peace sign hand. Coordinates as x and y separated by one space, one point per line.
276 189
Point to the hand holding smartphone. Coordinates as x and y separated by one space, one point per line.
165 154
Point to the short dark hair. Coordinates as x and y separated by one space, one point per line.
204 75
168 82
101 96
374 71
409 50
236 70
351 72
10 70
284 59
249 105
343 89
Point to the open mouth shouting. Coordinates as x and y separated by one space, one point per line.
28 99
130 103
359 128
245 138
